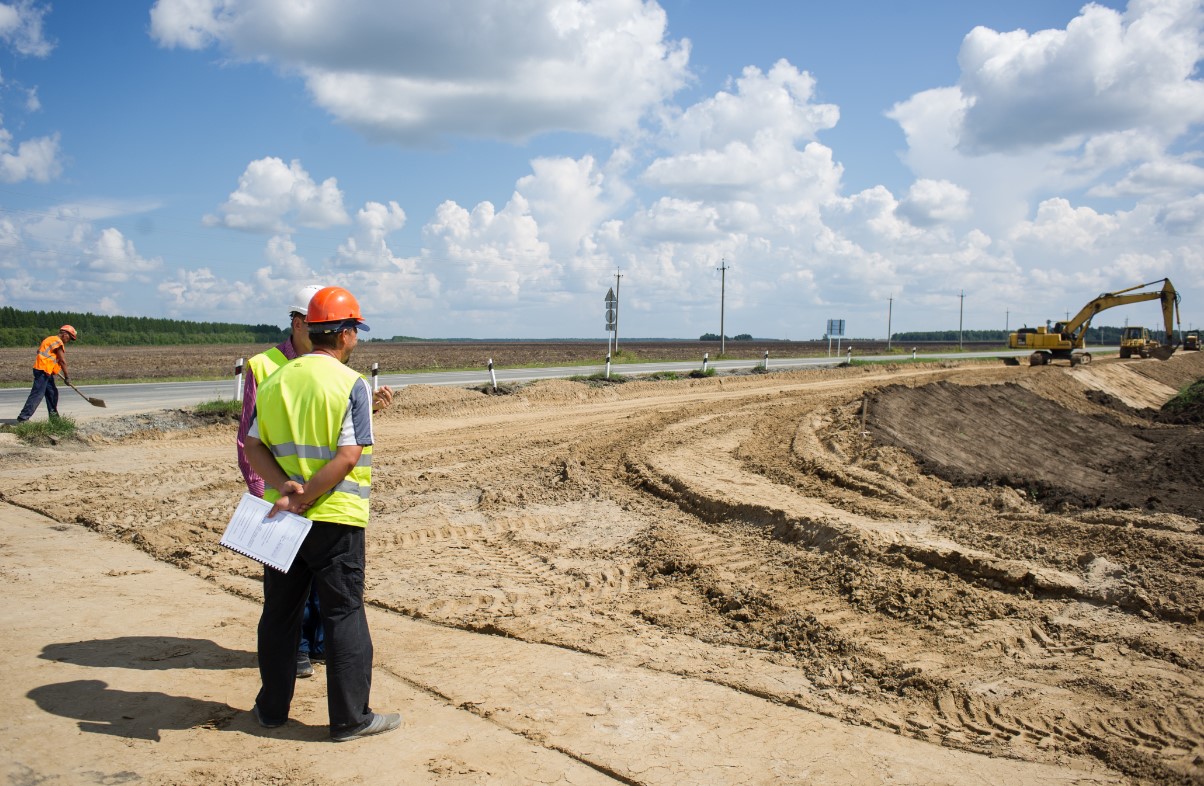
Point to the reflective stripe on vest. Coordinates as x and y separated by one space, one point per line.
263 364
46 360
300 410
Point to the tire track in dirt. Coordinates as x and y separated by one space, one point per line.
740 532
729 495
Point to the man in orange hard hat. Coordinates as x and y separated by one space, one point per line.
260 367
51 359
311 441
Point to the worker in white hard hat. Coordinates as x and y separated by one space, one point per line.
260 367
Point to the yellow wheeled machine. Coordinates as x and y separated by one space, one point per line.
1136 340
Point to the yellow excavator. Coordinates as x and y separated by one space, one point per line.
1065 340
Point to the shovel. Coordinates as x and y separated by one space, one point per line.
96 402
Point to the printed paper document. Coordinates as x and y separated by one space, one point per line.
272 541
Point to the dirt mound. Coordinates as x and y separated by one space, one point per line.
1181 370
430 401
1007 435
149 425
556 391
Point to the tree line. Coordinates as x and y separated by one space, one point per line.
28 328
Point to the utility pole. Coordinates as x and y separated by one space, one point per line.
890 302
617 277
723 268
961 309
1007 315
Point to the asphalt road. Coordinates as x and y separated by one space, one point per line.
129 399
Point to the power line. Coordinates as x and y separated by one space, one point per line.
618 276
723 268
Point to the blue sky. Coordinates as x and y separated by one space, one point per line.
484 168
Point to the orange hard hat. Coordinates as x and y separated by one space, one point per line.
334 308
68 330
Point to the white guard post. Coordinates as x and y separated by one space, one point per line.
706 357
375 375
238 380
913 353
492 376
765 365
608 365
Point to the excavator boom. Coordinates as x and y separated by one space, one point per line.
1066 337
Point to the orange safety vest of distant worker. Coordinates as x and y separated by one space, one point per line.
47 359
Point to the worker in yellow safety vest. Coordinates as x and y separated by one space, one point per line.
51 359
312 647
311 441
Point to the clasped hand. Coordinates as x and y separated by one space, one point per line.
290 499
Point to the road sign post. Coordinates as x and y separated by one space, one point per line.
835 328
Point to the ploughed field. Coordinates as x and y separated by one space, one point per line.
996 560
213 361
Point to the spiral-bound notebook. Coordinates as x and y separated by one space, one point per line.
272 541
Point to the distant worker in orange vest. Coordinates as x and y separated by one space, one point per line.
51 360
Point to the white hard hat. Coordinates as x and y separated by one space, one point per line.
304 295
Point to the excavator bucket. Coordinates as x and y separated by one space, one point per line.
1162 353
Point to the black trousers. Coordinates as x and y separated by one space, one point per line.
332 558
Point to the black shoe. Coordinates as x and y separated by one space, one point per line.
267 724
317 657
304 667
379 724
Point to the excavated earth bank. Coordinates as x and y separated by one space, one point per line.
973 558
1007 435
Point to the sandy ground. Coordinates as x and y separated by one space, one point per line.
912 574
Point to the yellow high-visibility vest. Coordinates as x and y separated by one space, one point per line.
300 410
263 364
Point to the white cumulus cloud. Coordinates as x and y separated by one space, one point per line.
191 291
1060 164
930 202
270 193
367 249
415 71
38 159
21 27
1105 72
113 258
33 159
